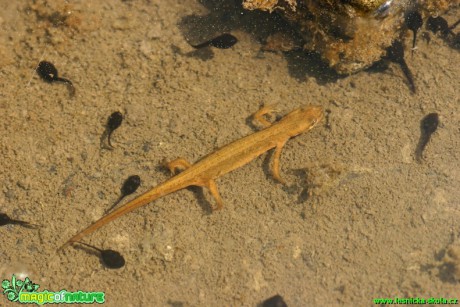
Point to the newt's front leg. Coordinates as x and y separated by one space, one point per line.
180 164
259 117
176 165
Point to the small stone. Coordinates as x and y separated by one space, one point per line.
123 23
155 31
169 253
146 48
24 183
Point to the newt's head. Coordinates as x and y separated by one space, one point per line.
304 119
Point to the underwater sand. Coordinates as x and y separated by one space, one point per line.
358 219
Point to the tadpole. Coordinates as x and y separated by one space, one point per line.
112 259
48 72
129 187
274 301
396 54
428 126
5 220
439 24
414 22
223 41
113 122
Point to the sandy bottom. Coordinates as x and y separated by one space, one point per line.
358 219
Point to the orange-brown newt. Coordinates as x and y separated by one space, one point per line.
224 160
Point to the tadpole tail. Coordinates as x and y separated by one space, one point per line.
413 43
24 224
106 136
90 246
408 74
115 203
109 134
202 45
423 141
69 84
63 80
71 89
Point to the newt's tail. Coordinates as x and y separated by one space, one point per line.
147 197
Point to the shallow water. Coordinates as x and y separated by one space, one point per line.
359 217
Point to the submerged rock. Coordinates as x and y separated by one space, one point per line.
349 34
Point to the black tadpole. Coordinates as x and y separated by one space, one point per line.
5 220
112 259
129 187
48 72
396 54
414 22
428 126
114 121
223 41
274 301
438 24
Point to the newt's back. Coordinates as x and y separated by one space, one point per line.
246 149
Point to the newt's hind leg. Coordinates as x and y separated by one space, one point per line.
259 116
276 162
177 165
211 185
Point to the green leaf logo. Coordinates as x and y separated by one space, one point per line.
6 284
14 288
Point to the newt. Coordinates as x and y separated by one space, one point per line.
224 160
